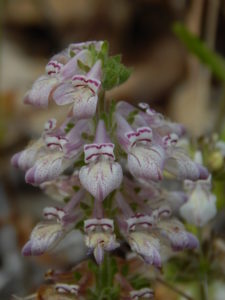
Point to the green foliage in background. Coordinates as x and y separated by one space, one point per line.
212 60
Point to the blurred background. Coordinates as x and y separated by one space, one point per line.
165 74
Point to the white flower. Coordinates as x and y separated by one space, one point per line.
201 205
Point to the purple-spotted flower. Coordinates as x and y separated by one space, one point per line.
82 91
179 163
58 222
52 154
102 174
100 237
44 237
175 233
145 157
56 72
146 233
201 205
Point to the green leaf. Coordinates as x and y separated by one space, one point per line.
125 270
80 225
131 116
82 66
69 126
77 275
105 49
66 199
114 72
76 188
84 206
112 109
72 53
134 206
80 162
87 137
137 189
212 60
138 282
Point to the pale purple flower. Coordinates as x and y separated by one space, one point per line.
50 156
26 158
58 222
178 237
102 174
41 91
44 237
179 163
147 246
82 92
145 157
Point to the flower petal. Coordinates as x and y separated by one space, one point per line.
178 237
101 178
200 207
99 254
72 68
44 237
41 90
181 166
47 168
147 246
85 101
146 163
26 158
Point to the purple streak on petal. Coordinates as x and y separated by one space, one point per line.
101 135
96 71
71 68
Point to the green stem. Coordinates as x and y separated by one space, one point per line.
203 283
101 103
104 277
